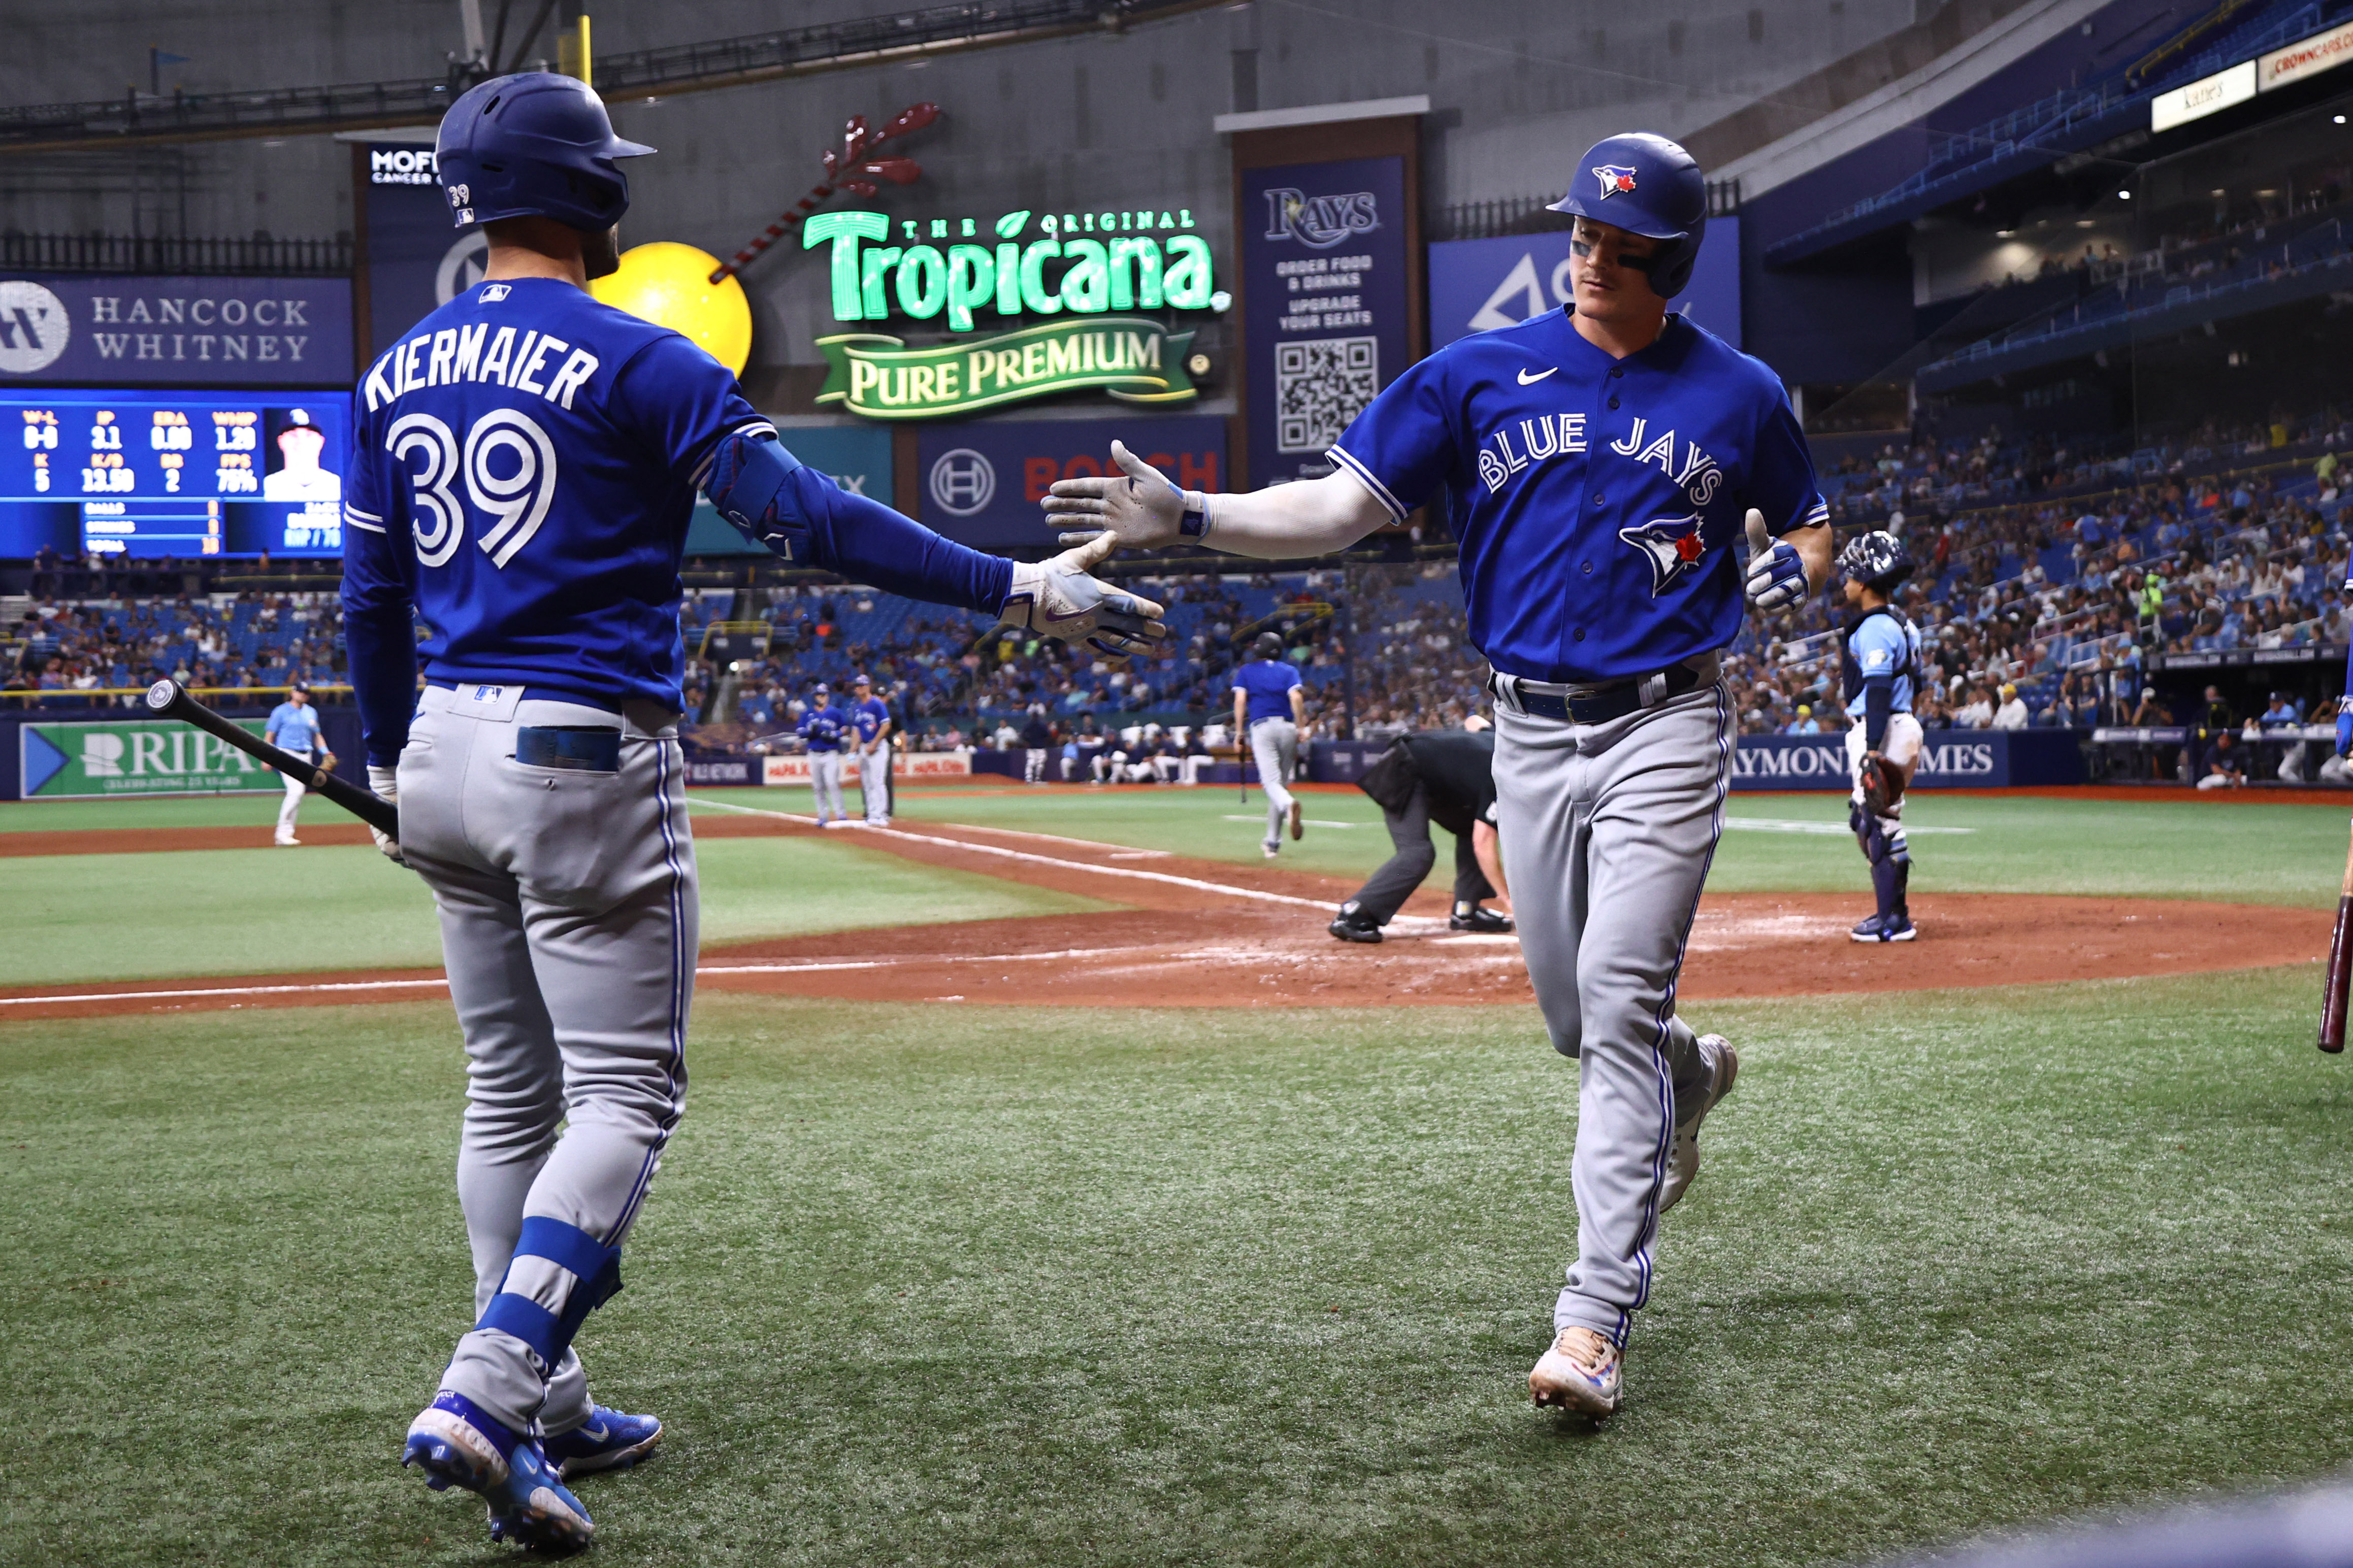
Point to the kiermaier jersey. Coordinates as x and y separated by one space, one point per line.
1597 500
524 467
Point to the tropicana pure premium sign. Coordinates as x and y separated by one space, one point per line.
1090 270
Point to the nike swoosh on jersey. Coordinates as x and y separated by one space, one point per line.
1527 380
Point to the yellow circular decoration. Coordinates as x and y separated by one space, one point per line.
669 284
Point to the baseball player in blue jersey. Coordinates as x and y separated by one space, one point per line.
1881 665
869 720
524 470
294 727
1270 709
821 729
1599 464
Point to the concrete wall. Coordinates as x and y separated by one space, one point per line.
1519 88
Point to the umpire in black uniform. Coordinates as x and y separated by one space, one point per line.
1446 776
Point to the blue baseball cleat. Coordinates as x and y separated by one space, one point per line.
1897 927
607 1440
457 1445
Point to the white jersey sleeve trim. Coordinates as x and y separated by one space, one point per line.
364 521
751 427
1380 492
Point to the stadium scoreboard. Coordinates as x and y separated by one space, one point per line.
151 474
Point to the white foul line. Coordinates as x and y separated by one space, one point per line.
325 986
1040 859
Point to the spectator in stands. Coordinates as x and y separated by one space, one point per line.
2216 715
2223 769
2012 714
1037 737
1977 712
1804 724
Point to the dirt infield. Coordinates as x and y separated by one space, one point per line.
1202 933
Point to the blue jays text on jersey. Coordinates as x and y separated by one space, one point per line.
1596 498
822 728
868 717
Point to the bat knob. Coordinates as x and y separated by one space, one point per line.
162 694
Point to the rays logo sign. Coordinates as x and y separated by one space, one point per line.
1320 223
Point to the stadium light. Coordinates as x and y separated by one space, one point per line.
2339 118
2124 195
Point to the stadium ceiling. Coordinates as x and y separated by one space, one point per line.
140 120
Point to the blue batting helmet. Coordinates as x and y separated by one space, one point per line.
535 144
1647 185
1877 560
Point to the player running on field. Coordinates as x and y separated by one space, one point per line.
523 472
1883 744
1270 709
294 727
1601 463
869 721
821 730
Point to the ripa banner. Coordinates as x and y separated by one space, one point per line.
57 329
59 762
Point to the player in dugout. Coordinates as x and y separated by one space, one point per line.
1446 776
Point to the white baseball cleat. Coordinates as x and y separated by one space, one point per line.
287 841
1683 1160
1582 1372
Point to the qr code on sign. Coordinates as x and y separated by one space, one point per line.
1319 387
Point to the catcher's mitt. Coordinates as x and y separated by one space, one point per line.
1883 784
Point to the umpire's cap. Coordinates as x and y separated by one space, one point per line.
1877 560
1648 185
1267 644
535 144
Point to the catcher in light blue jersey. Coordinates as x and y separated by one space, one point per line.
1880 678
524 467
1601 463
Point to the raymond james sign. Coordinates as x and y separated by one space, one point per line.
1134 359
1949 759
176 332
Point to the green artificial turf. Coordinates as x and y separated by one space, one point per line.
2228 850
71 918
964 1286
253 810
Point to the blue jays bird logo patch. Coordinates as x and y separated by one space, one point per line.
1617 180
1673 546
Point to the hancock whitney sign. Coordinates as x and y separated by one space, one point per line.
1951 758
65 330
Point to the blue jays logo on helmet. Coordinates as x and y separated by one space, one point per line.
1650 186
1617 179
1673 546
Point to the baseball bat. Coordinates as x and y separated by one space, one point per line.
170 700
2340 967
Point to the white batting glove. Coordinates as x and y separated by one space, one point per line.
1143 510
1057 598
384 784
1776 574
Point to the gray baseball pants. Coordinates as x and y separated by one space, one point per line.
1607 834
569 910
1274 745
824 777
874 782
